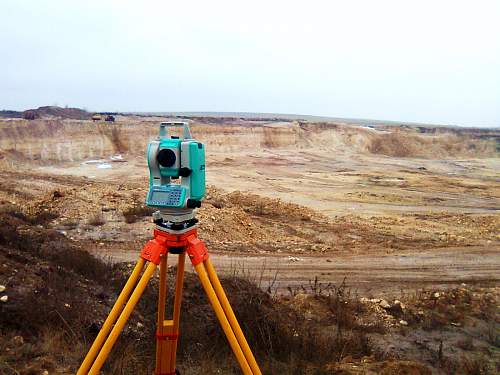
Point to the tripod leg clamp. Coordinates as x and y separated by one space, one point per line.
196 250
154 249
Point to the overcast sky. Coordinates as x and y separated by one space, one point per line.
424 61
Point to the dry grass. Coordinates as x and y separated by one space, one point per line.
51 351
59 304
340 333
465 321
444 308
137 212
70 292
53 288
69 223
96 219
471 364
33 218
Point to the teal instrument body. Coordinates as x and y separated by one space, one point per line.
177 169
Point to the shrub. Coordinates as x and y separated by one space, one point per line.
137 212
97 219
33 218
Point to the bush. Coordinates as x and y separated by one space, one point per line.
97 219
33 218
137 212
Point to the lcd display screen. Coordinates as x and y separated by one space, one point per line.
160 195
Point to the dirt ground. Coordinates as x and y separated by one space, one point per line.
391 208
317 215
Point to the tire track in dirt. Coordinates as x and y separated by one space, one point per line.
368 274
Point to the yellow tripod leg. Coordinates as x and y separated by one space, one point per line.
162 296
170 328
221 295
179 284
122 320
219 312
115 311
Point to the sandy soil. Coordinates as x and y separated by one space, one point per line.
370 275
423 212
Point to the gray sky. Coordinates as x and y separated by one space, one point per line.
425 61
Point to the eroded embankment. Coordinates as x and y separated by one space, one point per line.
52 141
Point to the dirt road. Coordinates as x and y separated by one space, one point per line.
368 274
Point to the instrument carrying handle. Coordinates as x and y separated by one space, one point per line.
181 124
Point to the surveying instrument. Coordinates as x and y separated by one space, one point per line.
176 188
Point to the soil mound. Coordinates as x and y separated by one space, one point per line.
63 113
48 112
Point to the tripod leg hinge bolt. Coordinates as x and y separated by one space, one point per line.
167 336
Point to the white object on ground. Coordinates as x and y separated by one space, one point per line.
104 166
118 157
96 161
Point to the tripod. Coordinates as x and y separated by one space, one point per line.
155 253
